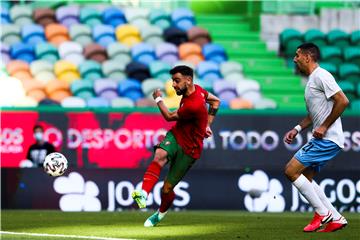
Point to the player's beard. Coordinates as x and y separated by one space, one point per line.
181 91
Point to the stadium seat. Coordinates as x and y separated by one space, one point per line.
72 52
183 18
145 103
152 35
98 102
95 52
160 18
186 63
355 38
5 17
5 53
112 69
10 34
290 39
21 14
169 90
352 55
46 51
90 16
19 69
138 17
355 105
138 71
315 36
338 38
247 86
33 34
214 52
66 71
149 85
81 34
122 102
48 102
226 91
175 35
160 70
57 90
199 35
172 102
83 89
73 102
22 51
239 103
11 89
128 34
56 33
167 52
331 68
265 103
130 88
113 16
231 68
44 16
143 53
208 70
205 84
103 34
349 72
68 15
106 88
90 70
27 101
331 54
119 52
43 71
191 52
34 89
349 89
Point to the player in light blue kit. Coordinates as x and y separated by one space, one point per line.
325 102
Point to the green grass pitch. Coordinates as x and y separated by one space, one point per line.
176 225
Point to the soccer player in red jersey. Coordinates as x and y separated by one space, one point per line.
183 144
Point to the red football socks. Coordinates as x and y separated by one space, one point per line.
151 176
166 201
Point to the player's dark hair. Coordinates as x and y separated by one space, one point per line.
37 126
184 70
312 49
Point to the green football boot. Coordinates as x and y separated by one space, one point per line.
140 198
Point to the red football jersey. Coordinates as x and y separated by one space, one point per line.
190 128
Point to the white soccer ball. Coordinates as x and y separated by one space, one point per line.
55 164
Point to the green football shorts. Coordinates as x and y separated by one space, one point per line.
180 162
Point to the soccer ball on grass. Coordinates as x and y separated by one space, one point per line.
55 164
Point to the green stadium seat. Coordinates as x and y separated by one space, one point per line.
90 70
358 89
90 16
331 54
160 18
315 36
122 102
338 38
160 70
352 55
290 39
349 72
10 34
355 105
83 89
46 51
112 69
21 14
149 85
119 52
331 68
81 34
349 89
355 38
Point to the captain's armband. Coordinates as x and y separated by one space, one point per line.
212 111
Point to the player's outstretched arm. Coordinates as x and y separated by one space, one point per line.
169 116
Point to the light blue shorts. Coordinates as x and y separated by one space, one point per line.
317 152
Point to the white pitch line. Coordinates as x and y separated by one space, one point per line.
61 236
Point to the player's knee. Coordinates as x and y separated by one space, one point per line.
167 188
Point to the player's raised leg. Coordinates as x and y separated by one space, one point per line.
293 171
151 177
